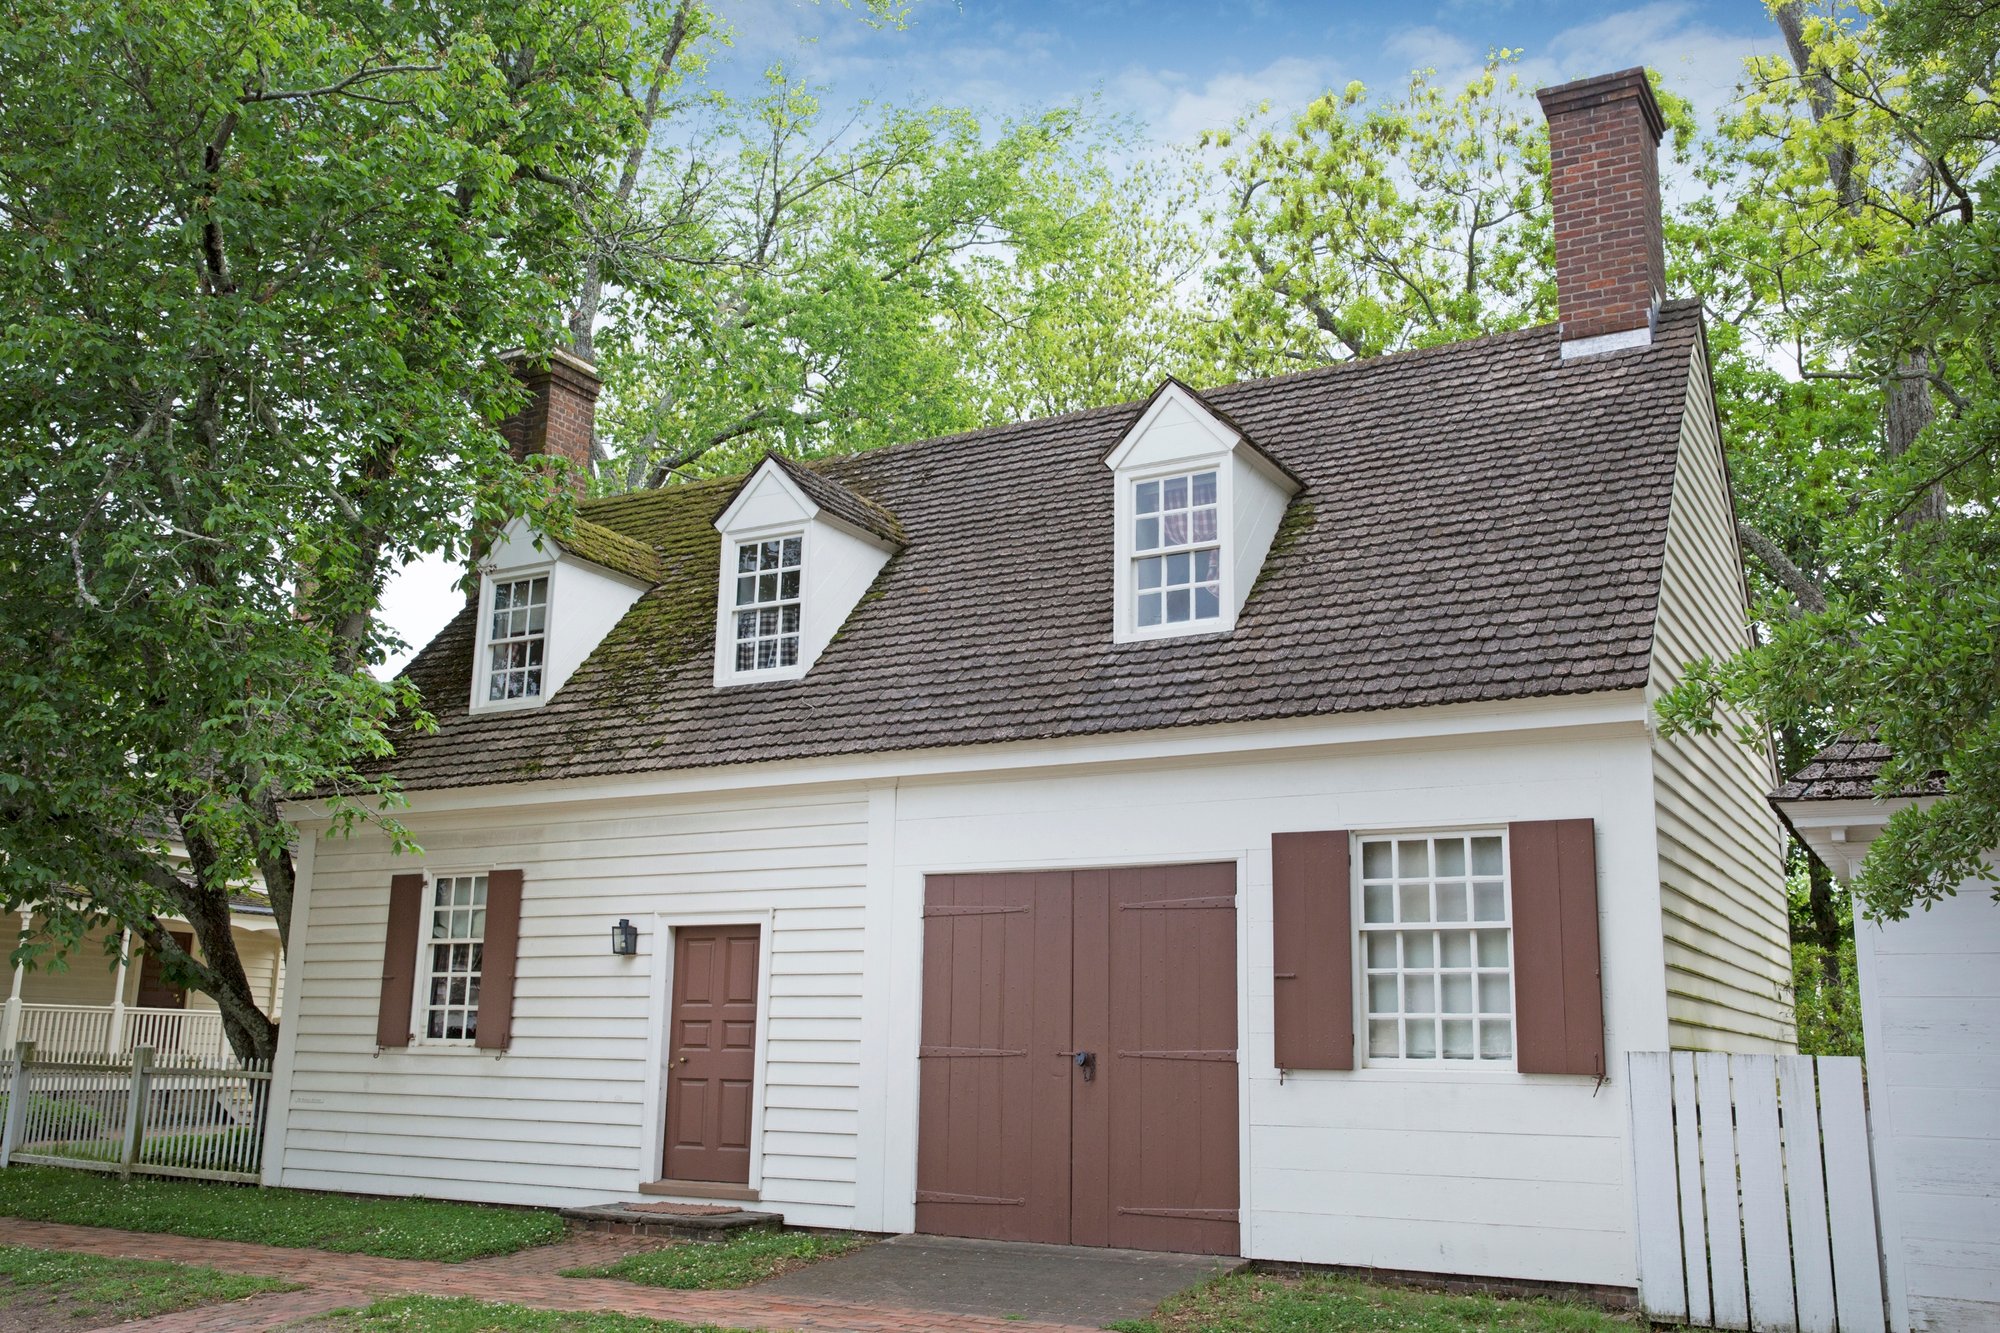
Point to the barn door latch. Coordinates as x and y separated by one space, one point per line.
1087 1062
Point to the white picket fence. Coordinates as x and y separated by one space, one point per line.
183 1116
1756 1198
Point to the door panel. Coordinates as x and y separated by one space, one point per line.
1168 1067
155 991
711 1057
993 1132
1021 971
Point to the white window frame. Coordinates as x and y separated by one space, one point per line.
1127 628
726 608
1361 929
420 1009
482 670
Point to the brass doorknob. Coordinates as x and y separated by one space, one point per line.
683 1060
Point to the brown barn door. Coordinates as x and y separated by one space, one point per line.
155 991
711 1054
994 1067
1078 1066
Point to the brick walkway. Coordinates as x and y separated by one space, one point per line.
527 1278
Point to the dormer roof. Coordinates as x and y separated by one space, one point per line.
1174 403
1480 522
611 550
841 503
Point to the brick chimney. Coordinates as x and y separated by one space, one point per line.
1604 161
561 415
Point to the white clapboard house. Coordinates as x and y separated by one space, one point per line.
1930 1013
1229 822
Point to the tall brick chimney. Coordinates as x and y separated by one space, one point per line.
1604 160
561 415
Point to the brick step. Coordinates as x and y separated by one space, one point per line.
684 1221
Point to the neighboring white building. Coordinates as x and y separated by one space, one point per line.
1930 1016
1230 822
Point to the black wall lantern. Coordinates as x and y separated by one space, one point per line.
624 939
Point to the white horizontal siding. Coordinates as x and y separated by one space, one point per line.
1930 990
569 1113
1722 889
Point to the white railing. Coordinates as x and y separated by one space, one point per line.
175 1116
119 1030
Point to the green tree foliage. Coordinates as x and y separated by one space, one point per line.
909 273
1372 226
1858 233
257 261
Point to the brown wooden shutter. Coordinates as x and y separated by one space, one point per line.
399 960
1312 951
503 943
1558 982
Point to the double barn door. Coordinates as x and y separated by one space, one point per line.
1079 1058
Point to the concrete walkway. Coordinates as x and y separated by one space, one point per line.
333 1281
1065 1283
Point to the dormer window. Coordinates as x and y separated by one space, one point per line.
798 552
1197 507
1177 549
516 639
768 612
545 603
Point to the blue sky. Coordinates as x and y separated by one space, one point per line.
1178 68
1183 67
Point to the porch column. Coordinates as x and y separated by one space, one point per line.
118 994
10 1018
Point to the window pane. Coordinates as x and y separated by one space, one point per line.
1177 605
788 622
1493 995
1149 608
1378 903
767 587
1455 949
788 652
1455 993
1496 1040
1148 535
1450 858
1413 858
1150 570
1147 497
746 558
767 556
1174 529
1382 1038
1419 995
1415 900
1458 1039
746 590
1492 948
1203 525
1204 488
1421 1040
1451 900
746 656
788 585
1381 950
1382 995
1375 860
794 549
1417 948
774 590
1207 603
1489 901
1207 566
1174 493
1486 856
1177 569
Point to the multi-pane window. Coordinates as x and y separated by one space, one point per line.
515 638
1437 948
1177 556
452 962
767 603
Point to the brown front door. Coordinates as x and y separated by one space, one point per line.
711 1054
1136 1147
155 991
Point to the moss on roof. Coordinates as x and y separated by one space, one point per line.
613 550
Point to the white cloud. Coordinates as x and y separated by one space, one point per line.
1177 108
419 600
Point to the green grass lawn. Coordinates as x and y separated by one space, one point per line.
114 1290
440 1314
392 1228
1323 1303
744 1258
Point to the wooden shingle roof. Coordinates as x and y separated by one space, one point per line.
1482 521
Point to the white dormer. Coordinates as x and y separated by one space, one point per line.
545 605
798 551
1197 507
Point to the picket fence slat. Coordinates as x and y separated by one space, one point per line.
1805 1184
1719 1190
1850 1194
1693 1224
1662 1283
1758 1168
1767 1250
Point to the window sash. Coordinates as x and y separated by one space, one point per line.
767 605
1177 549
1435 948
451 959
516 639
